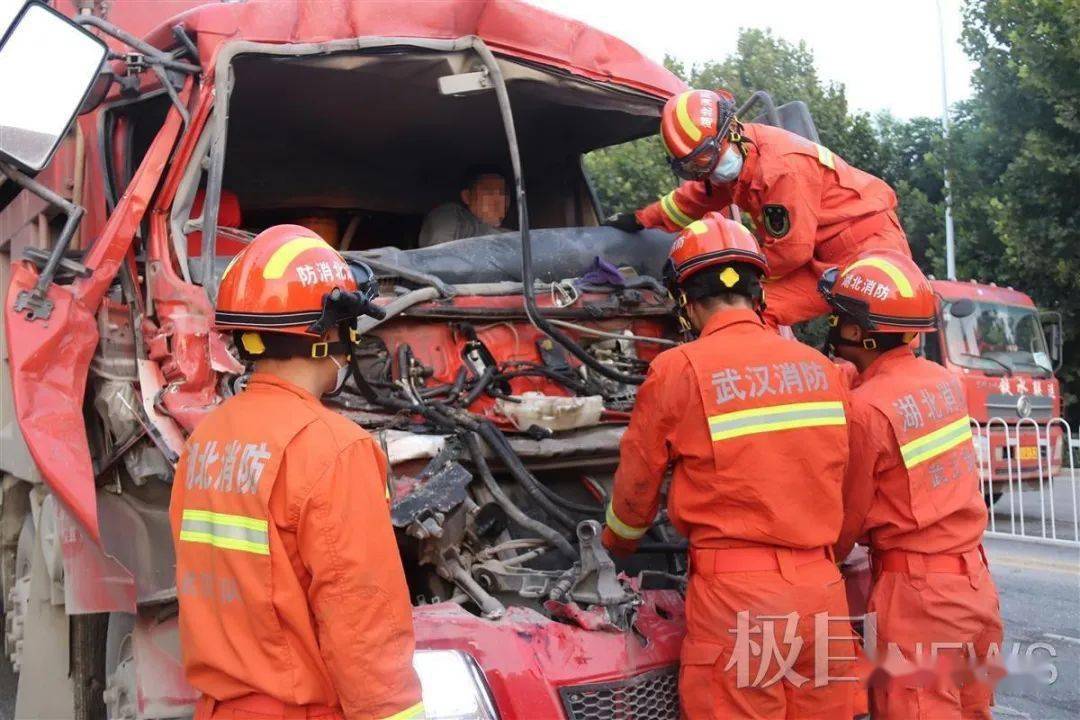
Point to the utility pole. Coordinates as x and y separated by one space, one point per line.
950 242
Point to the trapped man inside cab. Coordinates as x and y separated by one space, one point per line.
485 198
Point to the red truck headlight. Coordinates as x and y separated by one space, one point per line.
454 686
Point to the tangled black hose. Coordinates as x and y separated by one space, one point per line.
515 513
493 438
501 447
589 510
481 385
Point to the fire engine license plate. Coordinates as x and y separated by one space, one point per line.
1029 453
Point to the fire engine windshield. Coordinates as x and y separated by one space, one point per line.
998 339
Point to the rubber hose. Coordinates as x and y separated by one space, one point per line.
499 445
666 548
481 385
515 513
590 510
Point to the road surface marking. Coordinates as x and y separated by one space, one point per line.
1063 638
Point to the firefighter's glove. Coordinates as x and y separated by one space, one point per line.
625 221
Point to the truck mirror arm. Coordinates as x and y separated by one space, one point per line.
35 303
153 55
149 56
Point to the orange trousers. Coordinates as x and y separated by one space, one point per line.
951 616
261 707
769 644
794 298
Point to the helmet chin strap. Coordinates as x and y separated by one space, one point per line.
879 342
835 340
682 314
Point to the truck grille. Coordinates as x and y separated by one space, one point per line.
1004 407
652 695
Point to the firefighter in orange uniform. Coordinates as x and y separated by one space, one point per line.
292 597
912 494
753 427
811 209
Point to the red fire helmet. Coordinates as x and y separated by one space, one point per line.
711 241
278 283
883 291
695 126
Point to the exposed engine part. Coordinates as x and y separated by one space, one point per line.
512 510
443 491
114 357
489 607
594 584
553 413
598 581
619 355
508 576
115 402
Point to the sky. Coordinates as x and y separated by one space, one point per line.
886 52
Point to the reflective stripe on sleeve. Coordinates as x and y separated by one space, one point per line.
775 418
228 532
628 532
825 157
409 713
935 443
673 211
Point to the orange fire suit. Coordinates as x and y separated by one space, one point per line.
753 427
912 494
811 210
292 595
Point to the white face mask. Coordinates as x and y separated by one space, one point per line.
342 373
729 167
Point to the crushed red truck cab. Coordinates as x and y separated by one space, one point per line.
214 120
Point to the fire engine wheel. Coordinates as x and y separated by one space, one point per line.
88 635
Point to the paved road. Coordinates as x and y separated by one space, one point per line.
1040 597
1040 601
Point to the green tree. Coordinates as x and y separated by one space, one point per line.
911 155
629 176
1017 151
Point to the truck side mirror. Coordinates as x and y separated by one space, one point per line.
47 67
961 308
1051 323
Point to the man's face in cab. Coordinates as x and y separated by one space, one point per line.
487 199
